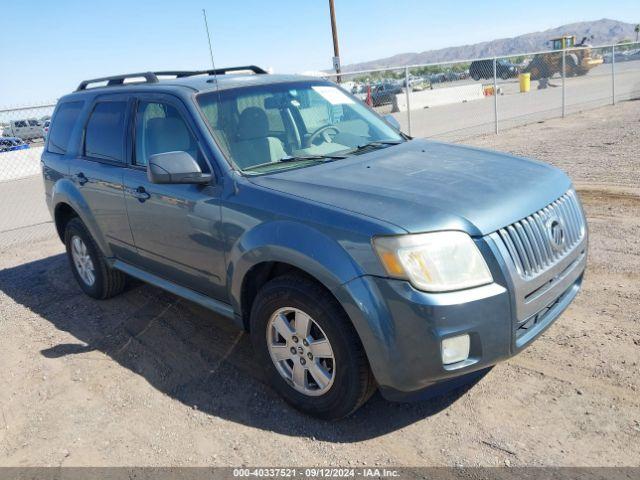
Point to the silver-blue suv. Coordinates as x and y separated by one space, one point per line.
357 257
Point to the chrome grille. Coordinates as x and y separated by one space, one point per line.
530 241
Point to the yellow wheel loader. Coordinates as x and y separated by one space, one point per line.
579 59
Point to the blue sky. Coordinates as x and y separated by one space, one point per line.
55 44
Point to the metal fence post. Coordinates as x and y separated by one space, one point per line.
613 74
564 76
495 93
406 84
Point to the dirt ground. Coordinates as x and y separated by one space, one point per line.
149 379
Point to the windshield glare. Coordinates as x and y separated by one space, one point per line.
257 127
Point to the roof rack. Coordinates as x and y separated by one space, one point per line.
224 71
177 73
149 77
217 71
152 77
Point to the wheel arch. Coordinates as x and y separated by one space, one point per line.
280 247
62 213
68 202
262 273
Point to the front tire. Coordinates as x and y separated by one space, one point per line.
309 349
88 264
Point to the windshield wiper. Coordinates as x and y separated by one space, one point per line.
375 144
300 158
296 158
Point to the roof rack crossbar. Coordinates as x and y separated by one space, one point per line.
149 77
178 73
217 71
251 68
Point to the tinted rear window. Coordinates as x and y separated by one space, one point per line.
65 120
104 137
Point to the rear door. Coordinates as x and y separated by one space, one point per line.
98 168
176 228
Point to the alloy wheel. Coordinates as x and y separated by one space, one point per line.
82 261
300 351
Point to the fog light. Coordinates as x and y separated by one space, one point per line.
455 349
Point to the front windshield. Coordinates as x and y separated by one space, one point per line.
271 127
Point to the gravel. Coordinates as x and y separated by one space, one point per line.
149 379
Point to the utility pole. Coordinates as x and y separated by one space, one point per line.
336 49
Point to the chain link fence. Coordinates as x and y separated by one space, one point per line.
24 217
447 101
457 100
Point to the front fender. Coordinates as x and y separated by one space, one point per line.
65 192
289 242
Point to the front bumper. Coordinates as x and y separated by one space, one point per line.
402 328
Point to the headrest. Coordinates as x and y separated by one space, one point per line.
252 124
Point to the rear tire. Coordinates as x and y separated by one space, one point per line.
90 269
349 381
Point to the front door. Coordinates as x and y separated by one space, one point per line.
176 227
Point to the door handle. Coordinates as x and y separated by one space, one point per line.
140 193
81 178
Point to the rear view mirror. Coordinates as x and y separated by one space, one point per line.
391 120
175 167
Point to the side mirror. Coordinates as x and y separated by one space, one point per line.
391 120
175 167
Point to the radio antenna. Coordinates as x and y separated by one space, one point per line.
213 64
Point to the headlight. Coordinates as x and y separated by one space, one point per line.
434 262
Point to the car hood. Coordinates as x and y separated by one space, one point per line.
424 186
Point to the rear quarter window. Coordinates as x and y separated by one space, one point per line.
62 125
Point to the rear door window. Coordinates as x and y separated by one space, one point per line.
105 132
60 132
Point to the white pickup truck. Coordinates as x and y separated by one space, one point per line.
28 129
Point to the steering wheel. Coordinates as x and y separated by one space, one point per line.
324 130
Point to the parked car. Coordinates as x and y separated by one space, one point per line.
27 129
45 128
356 257
622 56
633 55
383 93
484 69
360 91
9 144
437 77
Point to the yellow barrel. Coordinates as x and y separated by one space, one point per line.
525 82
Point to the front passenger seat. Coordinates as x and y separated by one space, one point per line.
254 146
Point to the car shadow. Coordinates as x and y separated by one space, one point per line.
189 353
